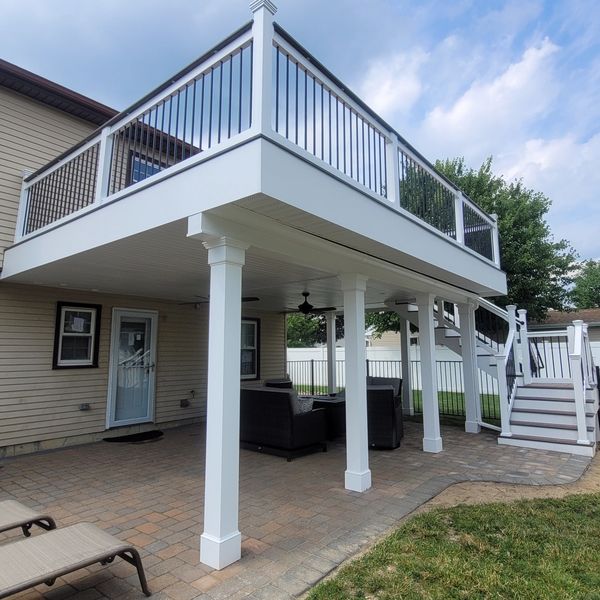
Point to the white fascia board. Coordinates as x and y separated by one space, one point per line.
223 179
302 184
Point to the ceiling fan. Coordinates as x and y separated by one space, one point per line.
206 300
307 308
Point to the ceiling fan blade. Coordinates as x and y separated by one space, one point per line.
250 299
205 300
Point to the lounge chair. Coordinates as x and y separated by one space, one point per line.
42 558
13 514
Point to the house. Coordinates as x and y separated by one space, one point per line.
146 268
557 319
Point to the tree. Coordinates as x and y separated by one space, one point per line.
310 330
586 293
538 269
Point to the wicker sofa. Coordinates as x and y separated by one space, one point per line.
277 422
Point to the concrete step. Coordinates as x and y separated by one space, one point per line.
549 430
545 443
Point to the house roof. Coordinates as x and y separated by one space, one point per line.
55 95
591 316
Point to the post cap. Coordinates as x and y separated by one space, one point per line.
256 5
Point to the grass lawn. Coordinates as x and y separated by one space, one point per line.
526 550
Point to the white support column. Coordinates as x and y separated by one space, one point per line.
358 474
221 541
331 354
104 162
407 397
262 32
432 440
525 352
466 312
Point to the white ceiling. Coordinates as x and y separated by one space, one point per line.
164 263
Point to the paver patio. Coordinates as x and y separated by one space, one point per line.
297 519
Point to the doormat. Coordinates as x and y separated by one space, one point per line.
137 438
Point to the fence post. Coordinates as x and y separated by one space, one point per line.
524 343
312 376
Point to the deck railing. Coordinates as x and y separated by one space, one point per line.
258 82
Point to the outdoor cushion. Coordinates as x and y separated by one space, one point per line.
13 514
41 559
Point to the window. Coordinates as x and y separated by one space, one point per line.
141 168
250 349
76 336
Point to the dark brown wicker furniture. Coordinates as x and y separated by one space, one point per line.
271 421
384 417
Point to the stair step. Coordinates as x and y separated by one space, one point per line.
564 426
545 393
538 411
549 385
551 440
549 444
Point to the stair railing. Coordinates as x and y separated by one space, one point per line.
581 364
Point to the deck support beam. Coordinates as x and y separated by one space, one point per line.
466 314
432 440
358 474
221 542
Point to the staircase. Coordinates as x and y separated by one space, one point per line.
549 404
544 416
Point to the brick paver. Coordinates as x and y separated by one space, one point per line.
297 520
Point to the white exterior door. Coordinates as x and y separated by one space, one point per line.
132 367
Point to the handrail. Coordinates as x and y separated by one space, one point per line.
507 382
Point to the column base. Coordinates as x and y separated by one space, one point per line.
219 553
358 482
472 427
433 445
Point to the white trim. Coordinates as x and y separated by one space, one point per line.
117 313
91 336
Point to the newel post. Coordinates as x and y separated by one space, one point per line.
23 207
104 163
525 352
262 63
459 216
495 239
575 341
393 172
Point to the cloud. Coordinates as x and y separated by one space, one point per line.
491 114
393 84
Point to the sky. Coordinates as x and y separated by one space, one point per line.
518 80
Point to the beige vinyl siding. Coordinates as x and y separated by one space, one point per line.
31 134
38 403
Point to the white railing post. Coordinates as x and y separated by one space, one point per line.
503 392
262 64
459 216
104 162
495 239
524 343
511 309
575 337
393 172
23 206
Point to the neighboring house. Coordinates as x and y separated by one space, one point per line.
557 319
251 176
